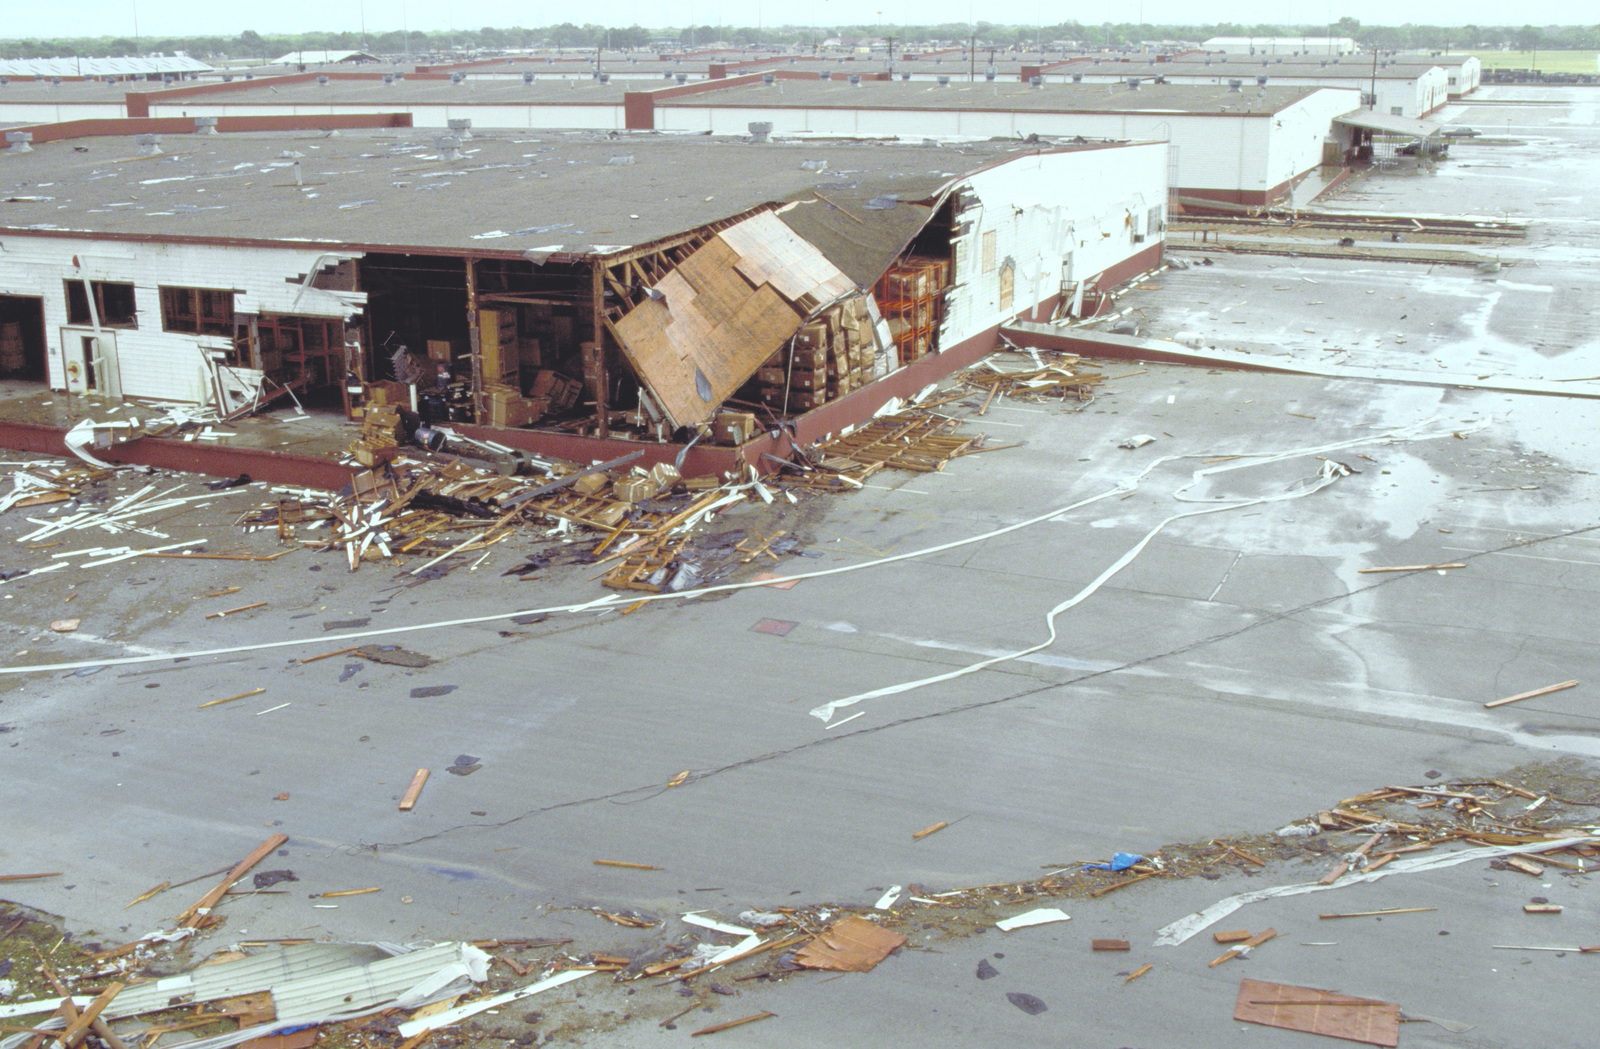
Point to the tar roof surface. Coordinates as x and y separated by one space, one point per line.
509 193
475 90
1053 98
74 91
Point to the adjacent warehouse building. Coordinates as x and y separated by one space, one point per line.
1239 146
567 282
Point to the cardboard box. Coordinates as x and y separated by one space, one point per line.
439 350
734 428
558 391
590 484
507 407
665 475
633 489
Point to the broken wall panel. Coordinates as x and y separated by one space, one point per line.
723 312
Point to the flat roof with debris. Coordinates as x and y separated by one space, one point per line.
1053 98
505 194
1354 67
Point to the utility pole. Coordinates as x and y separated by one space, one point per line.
1373 96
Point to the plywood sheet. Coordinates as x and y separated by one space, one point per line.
718 287
850 945
772 253
1329 1013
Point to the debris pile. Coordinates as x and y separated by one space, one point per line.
1065 377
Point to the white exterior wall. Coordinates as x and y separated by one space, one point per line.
1415 96
54 112
1043 209
1298 132
423 114
151 362
1221 152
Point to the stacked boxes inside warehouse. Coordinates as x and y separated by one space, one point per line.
12 357
911 295
830 356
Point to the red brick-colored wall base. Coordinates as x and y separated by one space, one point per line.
66 129
307 471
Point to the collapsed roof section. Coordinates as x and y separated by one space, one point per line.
707 326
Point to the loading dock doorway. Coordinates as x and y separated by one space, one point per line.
22 345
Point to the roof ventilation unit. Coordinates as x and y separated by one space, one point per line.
1324 63
527 78
4 80
388 78
793 59
824 75
227 78
322 81
1133 83
149 145
19 141
682 78
460 127
55 81
855 79
769 79
1261 81
1077 78
249 76
1036 82
1234 85
989 74
944 81
604 78
449 147
665 76
760 131
905 76
456 78
1160 78
205 125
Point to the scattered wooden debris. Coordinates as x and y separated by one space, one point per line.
1520 696
408 801
714 1028
1315 1011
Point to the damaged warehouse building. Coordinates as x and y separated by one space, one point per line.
554 286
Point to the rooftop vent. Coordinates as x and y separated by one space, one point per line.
149 145
1261 81
456 78
905 76
604 78
621 161
1133 83
322 80
1036 81
1077 78
989 73
760 131
388 78
944 81
769 79
824 75
511 61
4 80
19 141
449 147
460 127
1096 61
1161 78
249 76
205 125
793 59
227 78
1208 61
1234 85
1324 63
855 79
665 76
55 81
682 78
527 78
549 60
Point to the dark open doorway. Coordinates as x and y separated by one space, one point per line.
22 342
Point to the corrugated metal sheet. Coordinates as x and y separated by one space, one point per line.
361 989
257 973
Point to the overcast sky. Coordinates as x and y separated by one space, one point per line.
191 17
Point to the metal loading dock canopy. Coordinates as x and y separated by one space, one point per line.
1388 124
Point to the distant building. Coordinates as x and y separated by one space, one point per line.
1281 45
323 58
139 66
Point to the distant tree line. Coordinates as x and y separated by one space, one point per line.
252 45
